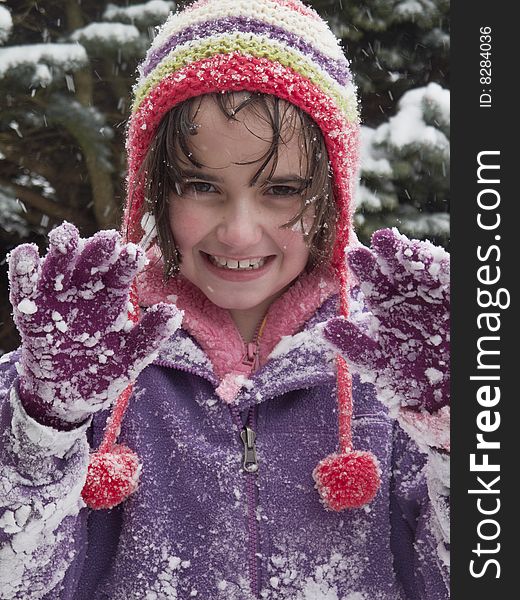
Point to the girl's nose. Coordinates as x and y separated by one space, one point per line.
240 226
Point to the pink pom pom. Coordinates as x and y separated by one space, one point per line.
111 478
348 480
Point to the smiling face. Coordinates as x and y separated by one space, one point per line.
222 218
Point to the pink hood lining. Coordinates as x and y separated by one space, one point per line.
214 329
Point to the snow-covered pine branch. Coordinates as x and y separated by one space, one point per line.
39 64
6 24
143 15
101 39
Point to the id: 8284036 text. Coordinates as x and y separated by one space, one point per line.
485 67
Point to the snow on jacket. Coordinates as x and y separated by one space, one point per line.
199 526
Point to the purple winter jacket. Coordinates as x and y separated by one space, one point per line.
199 526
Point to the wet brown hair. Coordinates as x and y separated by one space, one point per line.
161 171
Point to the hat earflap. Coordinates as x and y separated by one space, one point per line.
114 469
348 478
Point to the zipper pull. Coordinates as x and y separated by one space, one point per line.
251 356
248 437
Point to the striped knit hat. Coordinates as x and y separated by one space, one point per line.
282 48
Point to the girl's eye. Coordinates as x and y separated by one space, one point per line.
202 187
199 187
283 190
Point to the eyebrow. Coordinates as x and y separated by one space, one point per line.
280 179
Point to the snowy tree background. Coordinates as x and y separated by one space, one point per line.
66 71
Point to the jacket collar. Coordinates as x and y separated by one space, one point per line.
298 361
301 360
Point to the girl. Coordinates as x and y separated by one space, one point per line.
228 481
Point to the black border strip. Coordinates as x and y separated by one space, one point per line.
484 124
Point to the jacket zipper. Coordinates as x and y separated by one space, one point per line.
250 465
247 434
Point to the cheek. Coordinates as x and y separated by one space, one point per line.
292 244
187 227
308 220
294 235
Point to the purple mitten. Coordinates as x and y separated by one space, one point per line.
402 345
80 349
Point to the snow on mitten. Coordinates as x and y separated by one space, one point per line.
402 344
80 349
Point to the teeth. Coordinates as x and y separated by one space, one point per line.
229 263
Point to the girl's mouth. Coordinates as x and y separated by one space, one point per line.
237 270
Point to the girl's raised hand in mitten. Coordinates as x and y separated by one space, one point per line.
402 343
80 349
